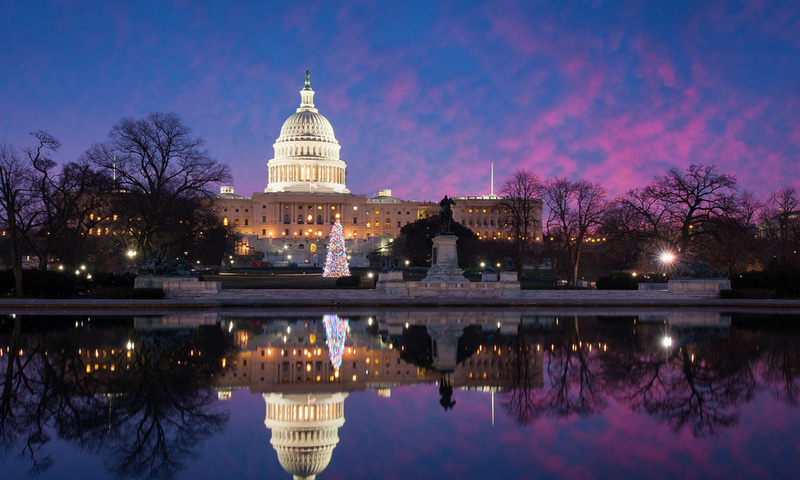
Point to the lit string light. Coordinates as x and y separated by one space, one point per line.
336 260
335 333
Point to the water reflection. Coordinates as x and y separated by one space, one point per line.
140 399
144 392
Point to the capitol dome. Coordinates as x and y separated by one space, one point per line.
307 125
305 430
306 155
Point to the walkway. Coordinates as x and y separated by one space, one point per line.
300 298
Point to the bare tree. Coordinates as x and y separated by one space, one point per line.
693 200
68 200
576 211
20 206
161 169
522 206
732 239
780 224
691 212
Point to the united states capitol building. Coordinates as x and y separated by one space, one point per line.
307 192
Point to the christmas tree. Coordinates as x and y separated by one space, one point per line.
335 333
336 260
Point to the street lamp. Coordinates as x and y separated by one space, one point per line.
131 254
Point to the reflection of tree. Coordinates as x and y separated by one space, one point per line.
520 398
572 386
415 346
19 409
782 367
697 386
145 410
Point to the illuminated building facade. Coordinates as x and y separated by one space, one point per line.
306 193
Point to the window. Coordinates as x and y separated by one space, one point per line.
300 219
319 219
355 220
398 224
286 219
246 221
237 209
263 219
263 232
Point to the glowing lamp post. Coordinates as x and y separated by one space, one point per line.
667 260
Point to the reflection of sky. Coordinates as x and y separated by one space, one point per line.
410 436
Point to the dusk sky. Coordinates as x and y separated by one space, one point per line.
424 95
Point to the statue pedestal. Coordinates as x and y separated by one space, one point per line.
444 260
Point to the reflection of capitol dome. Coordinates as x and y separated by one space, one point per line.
305 430
306 153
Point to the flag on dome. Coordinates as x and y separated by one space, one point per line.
336 259
335 333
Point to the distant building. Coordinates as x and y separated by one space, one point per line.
306 193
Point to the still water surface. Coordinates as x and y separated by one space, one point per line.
401 394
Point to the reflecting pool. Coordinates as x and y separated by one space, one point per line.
401 394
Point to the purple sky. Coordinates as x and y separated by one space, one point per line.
424 95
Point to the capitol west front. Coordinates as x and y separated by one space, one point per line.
306 193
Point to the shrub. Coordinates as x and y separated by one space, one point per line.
45 284
127 293
782 279
617 281
352 281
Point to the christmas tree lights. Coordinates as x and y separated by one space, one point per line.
335 333
336 259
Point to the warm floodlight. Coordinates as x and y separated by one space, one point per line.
666 257
131 253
